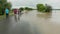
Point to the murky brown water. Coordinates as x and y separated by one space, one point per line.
44 23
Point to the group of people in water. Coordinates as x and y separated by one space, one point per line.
16 12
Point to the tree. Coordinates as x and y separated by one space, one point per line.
21 8
3 5
8 5
27 8
0 9
48 8
40 7
44 8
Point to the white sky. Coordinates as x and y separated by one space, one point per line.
32 3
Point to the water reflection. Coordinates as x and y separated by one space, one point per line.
15 18
44 15
46 23
56 16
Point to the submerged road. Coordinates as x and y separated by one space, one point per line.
13 25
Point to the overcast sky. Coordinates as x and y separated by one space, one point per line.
32 3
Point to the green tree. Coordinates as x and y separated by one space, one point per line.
0 9
8 5
40 7
48 8
27 8
3 5
21 8
44 8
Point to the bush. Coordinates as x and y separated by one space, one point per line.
40 7
21 8
48 8
27 8
8 5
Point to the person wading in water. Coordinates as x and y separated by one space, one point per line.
7 12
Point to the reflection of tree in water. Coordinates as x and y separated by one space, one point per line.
44 15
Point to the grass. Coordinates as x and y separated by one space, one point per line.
2 17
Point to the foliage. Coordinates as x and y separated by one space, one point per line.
3 5
8 5
0 10
21 8
46 8
27 8
40 7
3 2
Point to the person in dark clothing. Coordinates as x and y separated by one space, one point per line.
19 13
15 13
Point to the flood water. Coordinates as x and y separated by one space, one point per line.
32 22
43 23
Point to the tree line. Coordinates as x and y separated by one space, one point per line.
44 8
40 8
